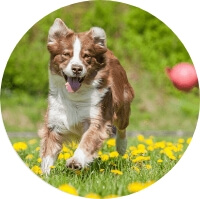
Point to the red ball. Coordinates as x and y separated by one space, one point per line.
183 76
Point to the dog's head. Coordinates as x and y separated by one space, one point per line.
75 56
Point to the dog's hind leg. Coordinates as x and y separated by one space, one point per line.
50 146
121 141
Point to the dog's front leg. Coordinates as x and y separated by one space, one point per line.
50 146
89 145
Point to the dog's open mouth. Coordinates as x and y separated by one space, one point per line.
73 83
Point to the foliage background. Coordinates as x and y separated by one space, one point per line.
144 46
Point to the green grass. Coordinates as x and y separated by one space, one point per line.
98 178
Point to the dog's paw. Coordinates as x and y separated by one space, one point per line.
79 160
47 162
73 163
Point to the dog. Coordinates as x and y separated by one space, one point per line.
89 96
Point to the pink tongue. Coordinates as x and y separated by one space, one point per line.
72 84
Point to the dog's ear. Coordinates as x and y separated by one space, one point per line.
99 37
57 30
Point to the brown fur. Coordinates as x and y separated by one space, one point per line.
114 109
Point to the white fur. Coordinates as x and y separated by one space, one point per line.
47 162
69 109
75 60
80 157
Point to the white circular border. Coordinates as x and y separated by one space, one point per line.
16 17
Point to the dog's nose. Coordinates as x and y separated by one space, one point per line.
77 69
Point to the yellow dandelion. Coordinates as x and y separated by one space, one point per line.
69 189
111 142
111 196
39 160
149 141
188 140
172 157
100 153
150 148
141 158
73 145
66 156
52 167
67 150
20 146
159 161
33 141
114 154
160 145
101 170
92 195
140 138
169 144
132 148
125 156
136 169
137 186
104 157
148 166
37 148
181 140
117 172
60 156
29 157
36 170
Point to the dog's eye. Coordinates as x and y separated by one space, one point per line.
66 54
86 56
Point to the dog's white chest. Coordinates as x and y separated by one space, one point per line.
67 110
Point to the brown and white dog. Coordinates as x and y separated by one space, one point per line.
89 93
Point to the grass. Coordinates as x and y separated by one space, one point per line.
110 175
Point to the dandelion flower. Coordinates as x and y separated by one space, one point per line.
39 160
159 161
60 156
20 146
37 148
137 186
125 156
29 157
104 157
114 154
181 140
189 140
36 170
117 172
101 170
140 138
149 141
111 142
66 156
148 166
136 169
33 141
92 195
141 158
68 188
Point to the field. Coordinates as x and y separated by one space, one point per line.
147 159
145 46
